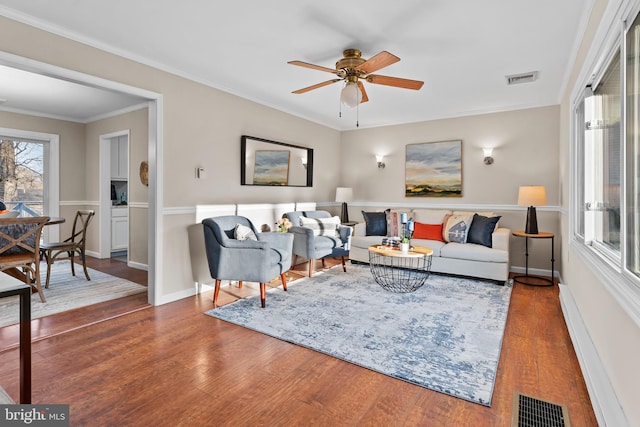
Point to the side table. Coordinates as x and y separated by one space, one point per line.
527 236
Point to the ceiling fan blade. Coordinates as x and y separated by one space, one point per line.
395 81
316 86
365 98
312 66
381 60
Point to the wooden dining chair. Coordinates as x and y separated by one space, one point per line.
70 247
20 249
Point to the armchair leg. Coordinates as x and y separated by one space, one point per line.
215 293
310 267
263 294
283 278
344 266
240 283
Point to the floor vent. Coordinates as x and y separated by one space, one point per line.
531 412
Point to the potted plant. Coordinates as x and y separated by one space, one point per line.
407 231
405 243
283 225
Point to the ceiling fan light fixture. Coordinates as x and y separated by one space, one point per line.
350 95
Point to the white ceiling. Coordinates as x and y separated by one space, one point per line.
461 49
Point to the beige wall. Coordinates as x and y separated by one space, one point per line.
525 153
615 335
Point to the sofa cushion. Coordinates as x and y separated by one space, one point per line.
457 227
481 230
427 231
376 223
430 216
473 252
321 226
435 245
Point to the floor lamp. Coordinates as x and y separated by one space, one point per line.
344 195
531 196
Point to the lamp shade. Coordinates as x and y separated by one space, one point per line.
351 95
344 194
532 195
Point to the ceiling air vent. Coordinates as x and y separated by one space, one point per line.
522 78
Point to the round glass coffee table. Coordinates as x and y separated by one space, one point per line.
398 271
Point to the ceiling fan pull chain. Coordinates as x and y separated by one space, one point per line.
357 114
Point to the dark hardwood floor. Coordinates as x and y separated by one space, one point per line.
174 366
64 322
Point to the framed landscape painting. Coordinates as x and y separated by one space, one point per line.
271 167
434 169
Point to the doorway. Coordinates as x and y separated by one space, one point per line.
155 140
114 195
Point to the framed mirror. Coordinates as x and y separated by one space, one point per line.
271 163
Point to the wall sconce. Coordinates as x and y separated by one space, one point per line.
380 160
488 159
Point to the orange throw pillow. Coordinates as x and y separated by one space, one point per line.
427 231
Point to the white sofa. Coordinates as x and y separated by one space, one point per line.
465 259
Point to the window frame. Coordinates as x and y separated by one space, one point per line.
609 268
51 171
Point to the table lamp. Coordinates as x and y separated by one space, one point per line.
531 196
344 195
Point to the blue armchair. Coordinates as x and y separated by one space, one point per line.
316 240
257 260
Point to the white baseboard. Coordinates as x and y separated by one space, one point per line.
603 397
138 265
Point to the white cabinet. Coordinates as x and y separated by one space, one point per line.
120 157
119 229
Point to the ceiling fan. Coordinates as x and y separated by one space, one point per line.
353 69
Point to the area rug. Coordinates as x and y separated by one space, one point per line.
446 336
67 292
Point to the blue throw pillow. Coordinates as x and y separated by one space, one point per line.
481 230
376 223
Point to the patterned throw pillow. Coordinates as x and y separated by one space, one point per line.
394 225
457 228
322 226
242 232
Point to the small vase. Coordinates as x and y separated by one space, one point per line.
404 247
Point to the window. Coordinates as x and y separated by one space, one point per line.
607 166
632 164
22 176
601 161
